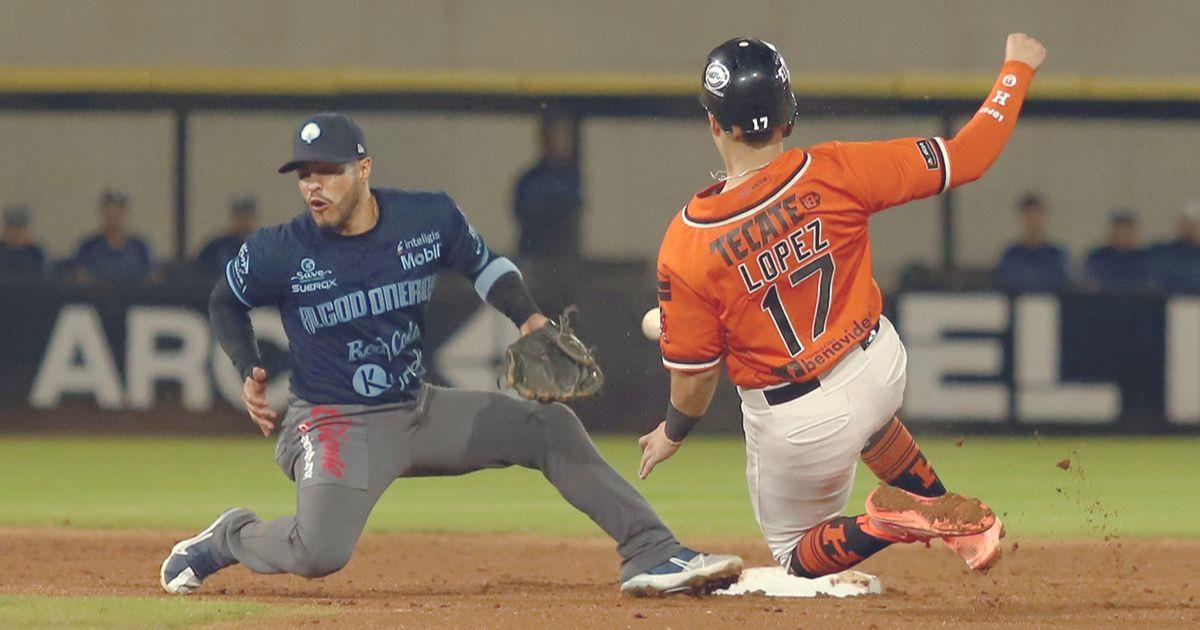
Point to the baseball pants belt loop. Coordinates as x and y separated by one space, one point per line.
792 391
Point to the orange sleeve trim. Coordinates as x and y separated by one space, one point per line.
979 143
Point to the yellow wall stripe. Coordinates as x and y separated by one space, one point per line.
333 81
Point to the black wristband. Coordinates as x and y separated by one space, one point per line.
679 424
510 296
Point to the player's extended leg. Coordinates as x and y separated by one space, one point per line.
840 543
801 457
800 464
893 455
342 461
462 431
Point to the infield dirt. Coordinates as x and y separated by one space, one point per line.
475 581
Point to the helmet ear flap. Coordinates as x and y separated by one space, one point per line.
794 106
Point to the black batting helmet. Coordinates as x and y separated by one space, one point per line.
746 83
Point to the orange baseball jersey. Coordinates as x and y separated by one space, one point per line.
774 276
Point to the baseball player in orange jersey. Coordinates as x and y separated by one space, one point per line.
769 271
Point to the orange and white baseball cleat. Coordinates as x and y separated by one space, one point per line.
907 515
980 551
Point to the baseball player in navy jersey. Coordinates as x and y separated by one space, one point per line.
352 276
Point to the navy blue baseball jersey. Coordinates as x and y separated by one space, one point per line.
353 307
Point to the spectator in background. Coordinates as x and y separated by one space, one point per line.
243 219
548 200
1033 264
113 256
1175 265
1121 264
20 256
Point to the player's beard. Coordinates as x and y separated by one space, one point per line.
341 213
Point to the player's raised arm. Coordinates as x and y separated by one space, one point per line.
977 145
898 171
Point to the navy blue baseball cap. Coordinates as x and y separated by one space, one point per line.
326 137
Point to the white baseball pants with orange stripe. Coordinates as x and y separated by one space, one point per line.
801 455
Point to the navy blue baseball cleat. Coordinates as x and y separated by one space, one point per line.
688 572
191 560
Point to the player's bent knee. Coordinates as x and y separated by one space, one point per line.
563 433
316 565
562 425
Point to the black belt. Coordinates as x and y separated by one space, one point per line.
792 391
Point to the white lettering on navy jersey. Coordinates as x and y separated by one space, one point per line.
241 267
353 307
479 246
422 250
424 256
371 380
376 301
309 278
426 238
362 349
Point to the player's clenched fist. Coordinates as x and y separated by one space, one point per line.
254 396
1021 47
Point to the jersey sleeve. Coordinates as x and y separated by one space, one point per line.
249 274
467 254
895 172
691 337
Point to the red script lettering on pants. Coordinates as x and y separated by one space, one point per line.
331 427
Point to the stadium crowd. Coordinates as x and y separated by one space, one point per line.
113 255
548 202
1121 264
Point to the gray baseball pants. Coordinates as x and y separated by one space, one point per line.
342 458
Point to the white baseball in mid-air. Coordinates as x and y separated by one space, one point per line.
651 325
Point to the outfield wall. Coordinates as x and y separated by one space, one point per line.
637 172
145 360
1130 37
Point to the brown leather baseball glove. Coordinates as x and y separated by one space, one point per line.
551 364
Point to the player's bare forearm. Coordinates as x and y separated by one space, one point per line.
979 143
692 392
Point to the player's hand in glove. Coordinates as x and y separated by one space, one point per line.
550 363
254 396
656 448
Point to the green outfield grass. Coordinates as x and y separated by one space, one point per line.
182 483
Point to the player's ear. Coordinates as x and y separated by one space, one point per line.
714 126
364 169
